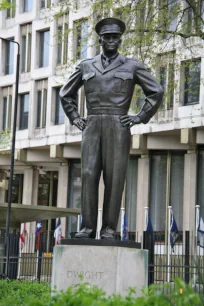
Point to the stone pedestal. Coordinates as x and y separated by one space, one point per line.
114 268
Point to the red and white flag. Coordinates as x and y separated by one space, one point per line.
23 236
58 232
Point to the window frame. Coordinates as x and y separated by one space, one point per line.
22 125
41 113
58 106
78 46
42 43
62 39
26 35
184 86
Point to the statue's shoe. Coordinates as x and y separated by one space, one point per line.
86 233
107 233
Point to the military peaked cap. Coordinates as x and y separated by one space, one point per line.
110 25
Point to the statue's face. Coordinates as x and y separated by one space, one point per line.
110 42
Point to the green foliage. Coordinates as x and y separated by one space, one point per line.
23 293
5 138
30 294
5 5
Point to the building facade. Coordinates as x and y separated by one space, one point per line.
166 165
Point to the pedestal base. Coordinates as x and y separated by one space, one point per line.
113 268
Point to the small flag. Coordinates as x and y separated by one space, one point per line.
23 236
149 227
38 231
201 232
125 229
58 232
174 233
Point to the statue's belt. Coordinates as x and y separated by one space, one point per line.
106 111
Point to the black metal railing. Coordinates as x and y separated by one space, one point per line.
186 260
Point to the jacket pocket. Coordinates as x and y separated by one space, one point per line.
122 81
88 76
88 85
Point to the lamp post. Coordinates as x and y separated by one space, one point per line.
8 216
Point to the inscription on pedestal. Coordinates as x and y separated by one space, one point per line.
85 275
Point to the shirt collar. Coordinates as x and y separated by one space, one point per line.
109 58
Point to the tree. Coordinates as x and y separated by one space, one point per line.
155 30
5 5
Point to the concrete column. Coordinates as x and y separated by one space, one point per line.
30 195
142 192
2 190
189 198
62 191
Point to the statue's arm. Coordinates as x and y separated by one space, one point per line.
152 90
153 97
68 95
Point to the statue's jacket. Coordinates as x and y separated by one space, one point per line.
110 90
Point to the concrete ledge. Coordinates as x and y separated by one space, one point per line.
115 243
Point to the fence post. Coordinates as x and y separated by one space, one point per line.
148 244
186 258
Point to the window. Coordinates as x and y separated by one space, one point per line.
131 196
10 12
24 111
44 48
193 18
190 78
41 103
47 196
7 103
74 194
200 195
81 38
166 75
62 39
81 102
26 31
166 188
9 63
59 112
27 5
45 3
17 189
168 14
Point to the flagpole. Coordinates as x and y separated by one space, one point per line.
78 223
146 218
169 249
197 207
122 222
99 224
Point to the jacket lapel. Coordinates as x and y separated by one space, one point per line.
97 64
120 59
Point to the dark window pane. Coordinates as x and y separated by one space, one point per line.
29 52
4 112
39 97
9 57
24 110
131 194
59 112
192 82
176 191
74 193
23 53
44 108
42 3
44 48
163 80
27 7
201 181
59 51
158 191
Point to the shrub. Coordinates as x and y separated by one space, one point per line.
34 294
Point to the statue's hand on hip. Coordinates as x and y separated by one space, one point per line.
129 121
80 123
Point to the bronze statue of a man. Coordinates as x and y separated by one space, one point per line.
109 80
